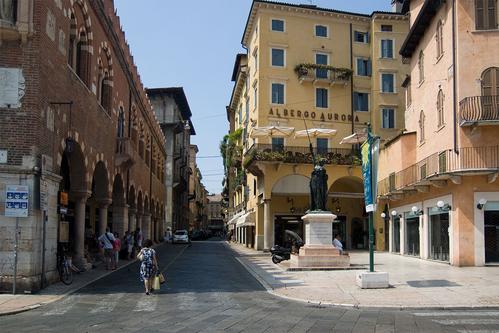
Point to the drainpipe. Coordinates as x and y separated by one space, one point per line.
454 72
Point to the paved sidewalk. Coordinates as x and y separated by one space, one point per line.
12 304
415 283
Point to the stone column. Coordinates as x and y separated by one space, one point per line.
268 226
139 221
132 223
79 228
146 226
103 206
120 219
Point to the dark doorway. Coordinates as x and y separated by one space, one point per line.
359 234
412 236
396 235
287 222
439 236
340 228
491 233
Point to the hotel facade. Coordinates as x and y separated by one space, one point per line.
438 179
315 71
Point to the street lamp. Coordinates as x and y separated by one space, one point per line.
481 203
416 210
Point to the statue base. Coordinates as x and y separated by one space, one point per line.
318 251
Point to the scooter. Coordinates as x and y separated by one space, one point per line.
280 253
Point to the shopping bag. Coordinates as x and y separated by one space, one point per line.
162 278
155 283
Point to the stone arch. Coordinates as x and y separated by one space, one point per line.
118 191
72 167
80 40
294 184
100 181
132 200
349 184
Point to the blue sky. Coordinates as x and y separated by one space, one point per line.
193 43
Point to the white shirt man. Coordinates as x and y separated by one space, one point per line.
107 240
337 244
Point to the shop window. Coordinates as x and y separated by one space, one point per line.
439 234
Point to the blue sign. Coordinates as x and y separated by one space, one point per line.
16 202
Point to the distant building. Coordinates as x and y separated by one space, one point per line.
174 115
214 210
197 194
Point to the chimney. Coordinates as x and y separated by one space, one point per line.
397 6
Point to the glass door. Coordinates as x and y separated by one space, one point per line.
412 236
491 233
396 235
439 235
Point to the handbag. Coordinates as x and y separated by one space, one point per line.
162 278
156 285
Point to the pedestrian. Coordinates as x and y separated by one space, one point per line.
129 244
138 239
337 243
116 249
149 265
107 239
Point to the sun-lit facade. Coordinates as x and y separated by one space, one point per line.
317 71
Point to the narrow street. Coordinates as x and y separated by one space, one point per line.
207 290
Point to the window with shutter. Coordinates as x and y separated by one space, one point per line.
485 14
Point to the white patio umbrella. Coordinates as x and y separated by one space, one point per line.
316 132
354 138
267 131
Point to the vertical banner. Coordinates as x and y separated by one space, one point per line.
370 155
366 174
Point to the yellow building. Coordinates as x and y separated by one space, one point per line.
308 70
438 178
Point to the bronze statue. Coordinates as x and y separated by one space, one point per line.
318 187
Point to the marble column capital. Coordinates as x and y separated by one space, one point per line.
80 194
104 202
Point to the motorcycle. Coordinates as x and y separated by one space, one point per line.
281 253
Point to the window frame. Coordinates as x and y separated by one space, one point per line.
364 33
394 83
277 19
318 69
326 140
439 39
324 26
381 48
317 100
440 108
272 58
421 67
486 7
386 30
272 83
421 124
382 117
278 138
368 68
356 94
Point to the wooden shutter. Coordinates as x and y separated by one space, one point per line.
479 14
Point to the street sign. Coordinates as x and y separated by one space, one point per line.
16 202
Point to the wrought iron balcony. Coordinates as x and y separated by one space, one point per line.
299 155
124 152
437 168
479 110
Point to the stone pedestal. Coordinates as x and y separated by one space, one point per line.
318 251
372 280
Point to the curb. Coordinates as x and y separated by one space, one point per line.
69 292
273 292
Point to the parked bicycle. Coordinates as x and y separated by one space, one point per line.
64 268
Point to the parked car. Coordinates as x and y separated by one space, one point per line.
180 236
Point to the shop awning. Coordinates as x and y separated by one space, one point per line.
233 220
247 220
316 133
269 131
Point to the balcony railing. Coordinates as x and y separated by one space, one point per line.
323 73
124 152
479 110
442 166
291 154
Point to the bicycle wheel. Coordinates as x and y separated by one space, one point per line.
66 275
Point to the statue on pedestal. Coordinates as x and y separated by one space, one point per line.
318 187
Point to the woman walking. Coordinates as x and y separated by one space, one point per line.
149 264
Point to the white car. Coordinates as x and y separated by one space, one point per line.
180 236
